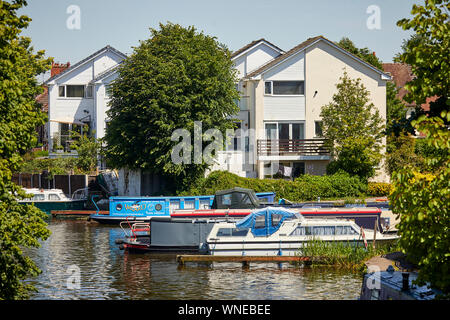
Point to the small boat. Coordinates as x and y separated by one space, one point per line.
165 234
275 231
143 209
395 285
240 202
54 199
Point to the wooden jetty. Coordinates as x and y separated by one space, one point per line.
75 213
245 260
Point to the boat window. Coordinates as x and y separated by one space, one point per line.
226 199
38 197
302 231
350 230
189 204
276 218
231 232
324 231
174 205
204 204
53 196
260 222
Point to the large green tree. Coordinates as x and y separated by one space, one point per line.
20 225
354 129
421 195
177 77
428 54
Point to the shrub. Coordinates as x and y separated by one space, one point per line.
303 188
377 189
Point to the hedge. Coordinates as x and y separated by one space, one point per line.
377 189
303 188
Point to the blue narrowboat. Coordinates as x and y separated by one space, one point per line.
142 209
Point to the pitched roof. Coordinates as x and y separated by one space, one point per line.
76 65
252 44
301 47
106 73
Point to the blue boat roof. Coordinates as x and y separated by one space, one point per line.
273 217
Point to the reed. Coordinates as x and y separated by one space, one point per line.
343 254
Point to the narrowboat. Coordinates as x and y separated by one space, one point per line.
240 202
143 209
53 199
276 231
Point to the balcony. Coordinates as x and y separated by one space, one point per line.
293 149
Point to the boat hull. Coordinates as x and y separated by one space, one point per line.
49 206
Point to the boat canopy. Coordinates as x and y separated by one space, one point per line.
235 198
266 221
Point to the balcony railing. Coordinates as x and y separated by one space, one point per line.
307 147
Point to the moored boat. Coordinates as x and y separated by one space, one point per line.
143 209
275 231
52 199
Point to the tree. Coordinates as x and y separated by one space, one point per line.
421 200
364 53
20 225
353 128
88 149
428 53
421 195
177 77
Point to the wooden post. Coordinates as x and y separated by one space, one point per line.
375 233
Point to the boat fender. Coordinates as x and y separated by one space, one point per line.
118 241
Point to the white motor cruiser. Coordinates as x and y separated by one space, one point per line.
275 231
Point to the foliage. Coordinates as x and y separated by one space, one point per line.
171 80
53 166
422 202
364 53
401 152
88 149
354 129
344 254
428 56
303 188
20 225
378 189
396 122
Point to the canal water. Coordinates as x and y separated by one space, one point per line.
80 260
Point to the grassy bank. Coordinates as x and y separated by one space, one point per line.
344 254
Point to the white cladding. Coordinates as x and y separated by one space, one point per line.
286 107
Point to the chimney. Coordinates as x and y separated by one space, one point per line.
57 68
374 53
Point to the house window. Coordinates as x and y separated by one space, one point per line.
284 88
76 91
318 129
268 87
62 91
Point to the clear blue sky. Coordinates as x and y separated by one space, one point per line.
286 23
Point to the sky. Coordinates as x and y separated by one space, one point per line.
69 37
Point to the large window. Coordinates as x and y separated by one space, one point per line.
75 91
283 88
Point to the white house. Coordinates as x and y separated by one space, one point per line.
77 96
282 95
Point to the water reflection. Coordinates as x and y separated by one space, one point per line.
105 272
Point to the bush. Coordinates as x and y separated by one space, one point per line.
303 188
377 189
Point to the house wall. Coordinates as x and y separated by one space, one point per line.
254 58
286 107
324 66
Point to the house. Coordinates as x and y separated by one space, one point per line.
77 97
282 95
401 74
